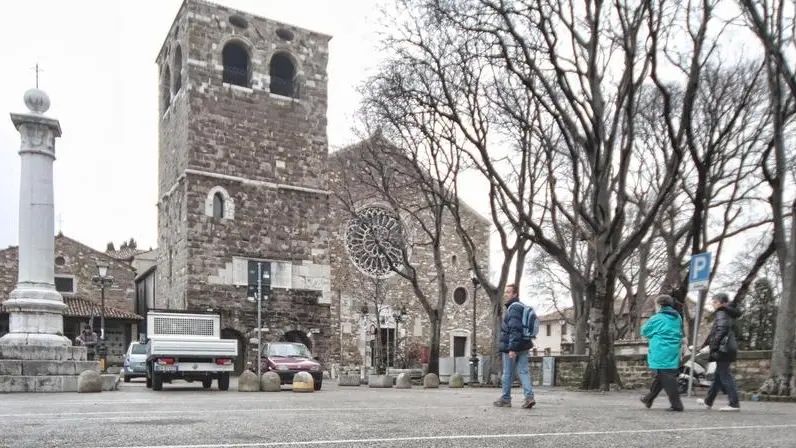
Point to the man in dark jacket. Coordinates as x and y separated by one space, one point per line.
723 349
515 350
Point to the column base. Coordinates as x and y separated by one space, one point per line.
47 369
35 316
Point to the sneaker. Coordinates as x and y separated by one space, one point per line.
701 403
529 403
646 402
730 409
501 403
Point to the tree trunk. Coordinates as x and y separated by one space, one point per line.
780 382
433 356
581 333
496 360
601 371
580 306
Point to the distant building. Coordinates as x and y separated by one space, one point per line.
75 266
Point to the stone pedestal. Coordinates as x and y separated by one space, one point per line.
31 368
34 355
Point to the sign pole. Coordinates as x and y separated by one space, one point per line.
259 316
698 279
697 319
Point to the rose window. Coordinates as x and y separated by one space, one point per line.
374 239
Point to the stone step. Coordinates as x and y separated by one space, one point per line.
54 383
43 353
39 368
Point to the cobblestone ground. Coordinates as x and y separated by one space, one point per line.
183 415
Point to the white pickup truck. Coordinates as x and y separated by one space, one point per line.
188 347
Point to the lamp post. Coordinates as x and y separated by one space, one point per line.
397 316
473 347
103 280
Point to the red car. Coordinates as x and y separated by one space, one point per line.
289 358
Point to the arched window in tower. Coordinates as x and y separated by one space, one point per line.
218 205
236 64
177 69
165 89
283 75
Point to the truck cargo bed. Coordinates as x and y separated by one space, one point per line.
217 348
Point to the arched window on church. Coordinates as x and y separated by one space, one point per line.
177 69
283 75
236 61
165 89
218 205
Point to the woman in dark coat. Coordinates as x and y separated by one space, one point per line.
724 350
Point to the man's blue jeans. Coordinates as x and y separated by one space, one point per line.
519 364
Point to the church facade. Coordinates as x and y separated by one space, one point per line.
244 194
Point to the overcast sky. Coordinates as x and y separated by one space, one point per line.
98 62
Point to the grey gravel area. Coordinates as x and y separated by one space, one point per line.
183 415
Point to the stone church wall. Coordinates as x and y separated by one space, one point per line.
264 154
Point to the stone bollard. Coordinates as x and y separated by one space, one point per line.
431 381
348 379
456 381
89 381
248 382
270 382
303 382
404 381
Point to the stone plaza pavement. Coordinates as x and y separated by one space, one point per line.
183 415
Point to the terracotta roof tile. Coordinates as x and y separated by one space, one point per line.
124 254
79 307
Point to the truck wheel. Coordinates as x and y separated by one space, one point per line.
127 379
223 381
157 381
207 382
317 386
149 377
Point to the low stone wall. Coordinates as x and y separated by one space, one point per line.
750 370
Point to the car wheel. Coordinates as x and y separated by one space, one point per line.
317 386
223 381
157 381
127 379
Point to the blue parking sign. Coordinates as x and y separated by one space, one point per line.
699 273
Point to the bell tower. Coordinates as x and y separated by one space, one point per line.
242 158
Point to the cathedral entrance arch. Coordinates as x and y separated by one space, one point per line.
231 333
297 336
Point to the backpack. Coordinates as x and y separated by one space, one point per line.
530 322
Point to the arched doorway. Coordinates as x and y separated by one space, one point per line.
240 363
297 336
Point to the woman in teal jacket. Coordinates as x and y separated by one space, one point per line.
664 330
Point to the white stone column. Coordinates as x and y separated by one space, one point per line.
35 307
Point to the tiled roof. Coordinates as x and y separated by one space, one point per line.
79 307
124 253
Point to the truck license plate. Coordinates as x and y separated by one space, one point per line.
167 368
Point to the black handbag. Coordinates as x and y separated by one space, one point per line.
728 344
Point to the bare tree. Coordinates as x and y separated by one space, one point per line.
570 75
720 178
772 22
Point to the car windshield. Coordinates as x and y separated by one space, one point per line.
138 349
288 350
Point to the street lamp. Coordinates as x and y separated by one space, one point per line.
103 280
473 346
397 316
